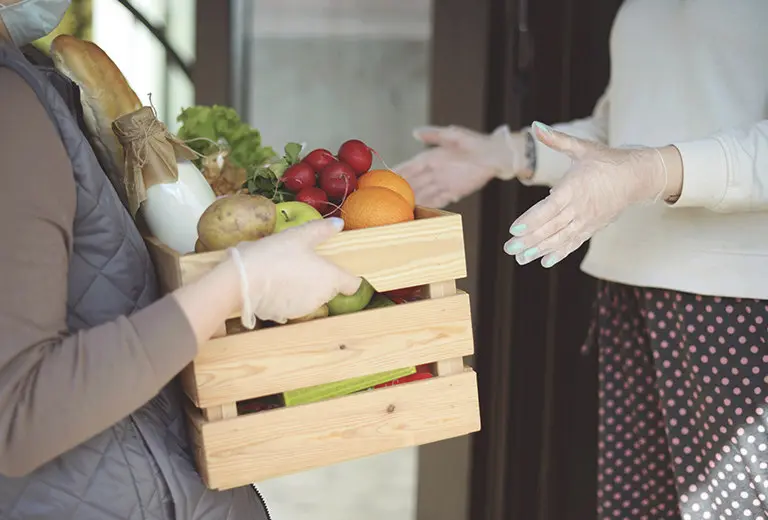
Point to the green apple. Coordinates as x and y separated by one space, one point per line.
294 213
379 300
320 312
343 304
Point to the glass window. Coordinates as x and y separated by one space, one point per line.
138 53
142 58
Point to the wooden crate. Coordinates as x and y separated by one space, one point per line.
234 450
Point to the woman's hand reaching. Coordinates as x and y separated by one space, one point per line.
601 183
461 162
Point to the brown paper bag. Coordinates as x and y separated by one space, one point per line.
151 153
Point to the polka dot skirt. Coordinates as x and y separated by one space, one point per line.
683 405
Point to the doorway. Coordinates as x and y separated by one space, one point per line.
513 61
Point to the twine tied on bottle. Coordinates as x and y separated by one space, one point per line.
151 153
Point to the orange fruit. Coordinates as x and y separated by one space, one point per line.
390 180
374 206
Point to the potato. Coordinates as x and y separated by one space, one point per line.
234 219
199 247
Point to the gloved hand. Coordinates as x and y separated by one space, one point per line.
462 162
287 279
601 183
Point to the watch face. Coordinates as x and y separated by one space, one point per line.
530 151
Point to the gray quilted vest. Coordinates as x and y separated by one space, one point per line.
141 468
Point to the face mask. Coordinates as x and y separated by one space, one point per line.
29 20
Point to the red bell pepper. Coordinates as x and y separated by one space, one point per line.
405 295
407 379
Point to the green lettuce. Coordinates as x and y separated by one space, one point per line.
202 127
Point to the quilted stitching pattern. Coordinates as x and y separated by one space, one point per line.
140 468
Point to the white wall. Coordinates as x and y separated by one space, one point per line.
323 71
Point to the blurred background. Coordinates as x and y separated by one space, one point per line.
323 71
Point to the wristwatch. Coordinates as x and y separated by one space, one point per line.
530 152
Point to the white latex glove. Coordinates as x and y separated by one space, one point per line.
601 183
287 279
462 162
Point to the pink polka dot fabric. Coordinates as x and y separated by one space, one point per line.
683 405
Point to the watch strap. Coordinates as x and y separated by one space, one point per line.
530 151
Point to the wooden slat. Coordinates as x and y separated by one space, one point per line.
166 262
421 213
252 448
188 382
441 289
220 412
277 359
445 367
427 250
225 410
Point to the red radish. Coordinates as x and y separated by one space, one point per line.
356 154
315 197
338 180
319 159
298 176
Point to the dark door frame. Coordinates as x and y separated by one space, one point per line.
535 458
212 73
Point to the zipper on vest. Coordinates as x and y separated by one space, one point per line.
263 502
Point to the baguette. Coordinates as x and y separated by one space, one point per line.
104 94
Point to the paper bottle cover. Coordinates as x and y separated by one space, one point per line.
151 153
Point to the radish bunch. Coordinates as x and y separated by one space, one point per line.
324 180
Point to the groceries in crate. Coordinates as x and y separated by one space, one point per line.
336 185
314 394
300 189
229 378
291 190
